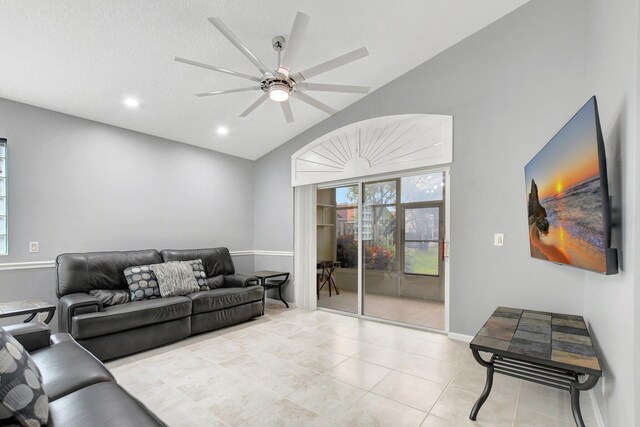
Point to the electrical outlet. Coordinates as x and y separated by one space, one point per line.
34 247
498 239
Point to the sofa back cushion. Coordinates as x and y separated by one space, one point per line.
82 272
216 261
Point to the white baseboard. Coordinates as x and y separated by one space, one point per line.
460 337
5 266
596 409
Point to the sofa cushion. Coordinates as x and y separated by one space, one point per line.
67 367
216 261
104 404
81 272
111 296
175 278
128 316
23 400
142 282
218 299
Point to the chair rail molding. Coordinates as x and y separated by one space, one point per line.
375 146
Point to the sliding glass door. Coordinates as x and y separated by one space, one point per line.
399 225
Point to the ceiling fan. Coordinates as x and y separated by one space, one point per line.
278 85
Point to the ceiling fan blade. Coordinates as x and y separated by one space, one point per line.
293 43
222 70
220 92
286 109
332 88
217 22
331 64
314 102
253 106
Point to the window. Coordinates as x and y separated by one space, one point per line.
422 188
379 225
3 197
422 241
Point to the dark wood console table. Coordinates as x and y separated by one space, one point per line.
551 349
31 307
262 277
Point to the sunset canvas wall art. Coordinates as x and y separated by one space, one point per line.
565 199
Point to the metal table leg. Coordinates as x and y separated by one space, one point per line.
576 387
487 386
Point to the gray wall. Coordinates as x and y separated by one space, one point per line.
78 185
609 301
510 87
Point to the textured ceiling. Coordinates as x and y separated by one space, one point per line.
84 57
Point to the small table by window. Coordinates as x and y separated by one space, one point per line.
263 275
31 307
551 349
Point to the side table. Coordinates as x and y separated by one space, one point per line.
31 307
551 349
263 275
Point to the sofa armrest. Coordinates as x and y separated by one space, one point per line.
239 281
32 336
73 304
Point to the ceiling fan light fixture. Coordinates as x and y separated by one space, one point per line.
279 92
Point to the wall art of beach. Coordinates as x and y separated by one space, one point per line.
564 197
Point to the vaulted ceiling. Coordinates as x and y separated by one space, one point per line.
85 57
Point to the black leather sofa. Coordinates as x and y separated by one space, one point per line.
81 390
119 330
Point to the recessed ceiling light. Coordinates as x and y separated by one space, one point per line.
131 102
222 130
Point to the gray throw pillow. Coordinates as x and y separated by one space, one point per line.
175 278
22 397
111 296
142 282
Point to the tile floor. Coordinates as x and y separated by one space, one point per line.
299 368
414 311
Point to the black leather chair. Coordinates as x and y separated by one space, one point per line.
119 330
81 390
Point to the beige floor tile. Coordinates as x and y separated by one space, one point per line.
319 360
383 356
553 403
526 418
399 341
276 374
284 414
469 378
413 391
373 410
342 345
456 404
189 415
219 349
327 396
361 374
446 350
235 400
429 369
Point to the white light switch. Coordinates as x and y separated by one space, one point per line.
34 247
498 239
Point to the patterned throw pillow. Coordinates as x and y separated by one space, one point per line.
111 296
175 278
199 273
22 398
143 283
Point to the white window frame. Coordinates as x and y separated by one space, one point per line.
4 248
